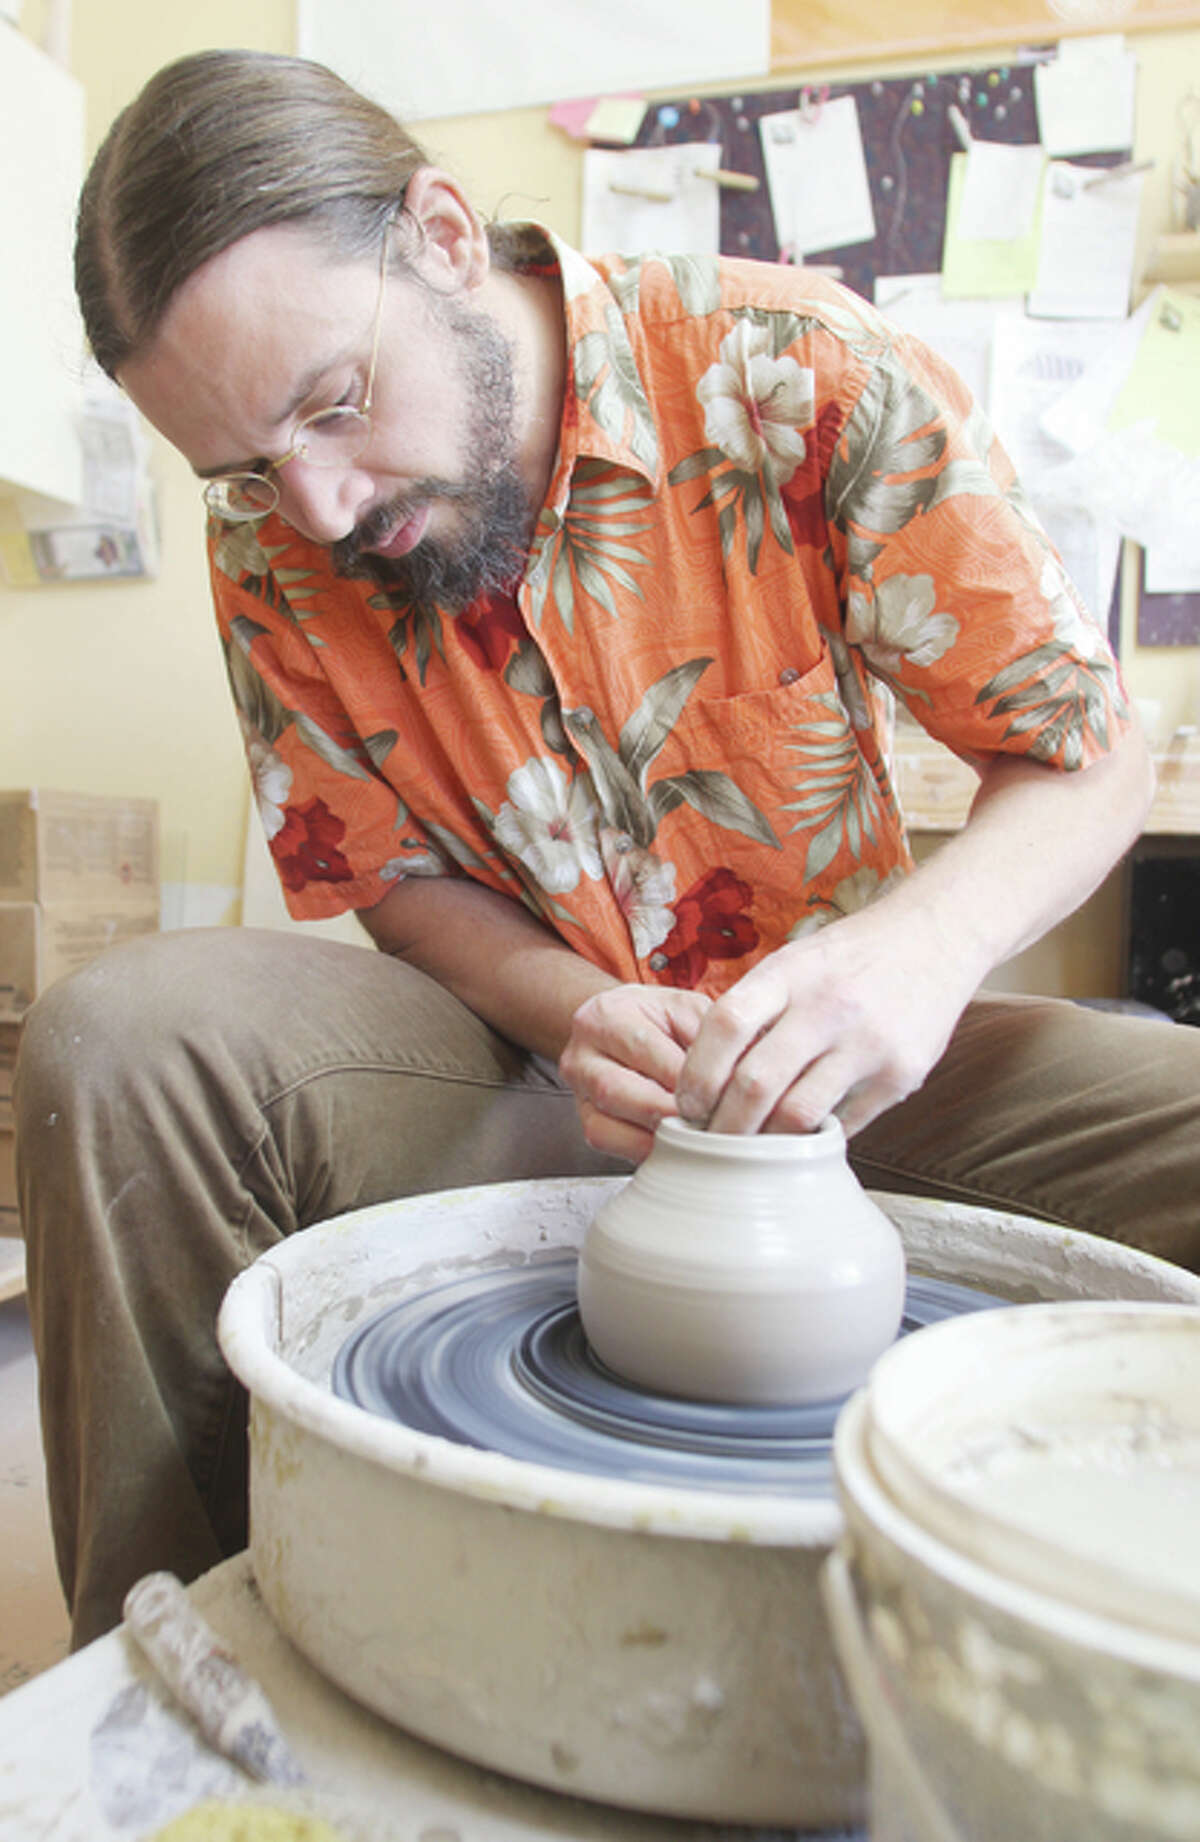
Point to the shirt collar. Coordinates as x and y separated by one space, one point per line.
607 413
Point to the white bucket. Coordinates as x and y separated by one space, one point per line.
1016 1594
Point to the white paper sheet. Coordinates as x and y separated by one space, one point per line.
1000 192
817 175
1088 245
1128 477
41 163
960 331
1085 97
1079 418
1034 363
652 198
460 58
1174 568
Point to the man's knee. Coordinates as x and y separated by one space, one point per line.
92 1021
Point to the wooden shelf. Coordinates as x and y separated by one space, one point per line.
807 33
935 788
1174 257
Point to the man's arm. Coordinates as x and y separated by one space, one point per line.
850 1019
853 1018
524 981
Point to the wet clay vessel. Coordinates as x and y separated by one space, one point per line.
742 1268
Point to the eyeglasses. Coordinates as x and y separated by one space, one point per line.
330 438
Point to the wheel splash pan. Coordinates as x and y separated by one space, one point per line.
646 1644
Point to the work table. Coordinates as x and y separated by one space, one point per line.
94 1750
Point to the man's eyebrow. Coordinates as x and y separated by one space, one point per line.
305 388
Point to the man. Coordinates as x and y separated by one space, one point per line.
564 605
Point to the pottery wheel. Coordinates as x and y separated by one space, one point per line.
498 1360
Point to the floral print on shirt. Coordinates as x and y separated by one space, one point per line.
771 515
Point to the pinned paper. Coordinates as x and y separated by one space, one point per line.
979 266
616 119
1126 467
1088 245
817 175
1162 384
1079 418
1001 191
960 331
1085 97
1034 363
652 198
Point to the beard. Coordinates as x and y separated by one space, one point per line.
486 551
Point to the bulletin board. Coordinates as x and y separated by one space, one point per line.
1165 620
908 140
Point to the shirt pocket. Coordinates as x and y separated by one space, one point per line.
766 741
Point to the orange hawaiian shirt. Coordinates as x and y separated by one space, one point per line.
771 514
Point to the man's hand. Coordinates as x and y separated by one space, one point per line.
852 1018
848 1021
623 1059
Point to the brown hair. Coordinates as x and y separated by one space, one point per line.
218 145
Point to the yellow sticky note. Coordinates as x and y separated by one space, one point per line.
972 267
1163 382
616 119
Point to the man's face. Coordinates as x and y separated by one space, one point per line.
276 328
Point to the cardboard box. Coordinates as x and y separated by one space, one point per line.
19 959
80 848
8 1184
10 1034
39 944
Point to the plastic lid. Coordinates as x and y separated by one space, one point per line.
1057 1445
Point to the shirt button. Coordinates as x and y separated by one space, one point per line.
788 675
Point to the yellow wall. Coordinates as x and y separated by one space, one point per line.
119 687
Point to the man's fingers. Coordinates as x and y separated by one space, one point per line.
827 1086
616 1136
720 1073
630 1035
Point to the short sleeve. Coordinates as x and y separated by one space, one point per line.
951 589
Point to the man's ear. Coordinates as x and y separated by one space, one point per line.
446 243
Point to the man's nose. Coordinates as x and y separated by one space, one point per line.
323 503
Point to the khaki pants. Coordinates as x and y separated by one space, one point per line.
185 1101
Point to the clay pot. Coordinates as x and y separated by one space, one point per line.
742 1268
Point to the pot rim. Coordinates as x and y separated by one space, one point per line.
764 1147
872 1512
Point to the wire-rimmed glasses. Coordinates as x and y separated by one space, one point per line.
331 437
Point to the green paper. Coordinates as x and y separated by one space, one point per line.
974 267
1163 382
